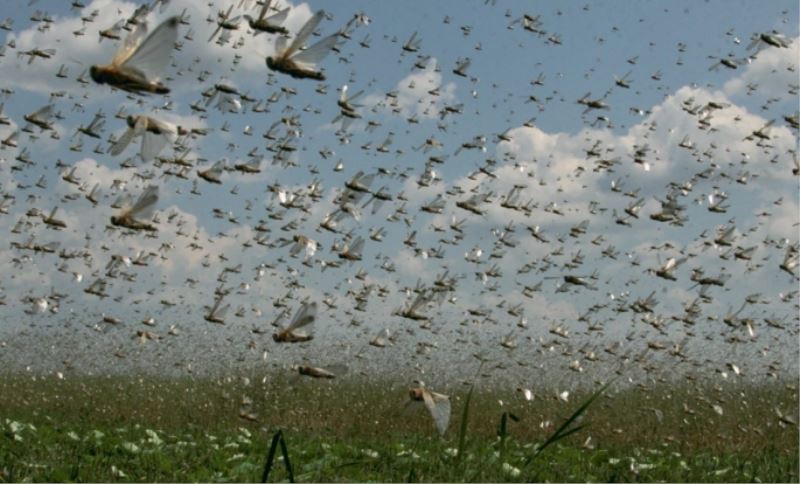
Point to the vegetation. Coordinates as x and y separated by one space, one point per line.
131 429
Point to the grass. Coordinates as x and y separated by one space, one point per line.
127 429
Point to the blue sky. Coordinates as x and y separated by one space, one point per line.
596 42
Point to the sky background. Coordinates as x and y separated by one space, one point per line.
579 49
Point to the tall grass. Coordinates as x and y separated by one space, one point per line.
118 429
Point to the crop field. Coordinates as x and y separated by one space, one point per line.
132 429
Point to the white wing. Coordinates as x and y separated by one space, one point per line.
311 248
354 97
217 168
122 202
130 43
264 9
152 55
152 144
439 407
357 246
311 56
305 316
98 124
279 17
280 45
218 312
295 249
43 113
366 180
147 200
138 129
338 369
305 31
221 312
229 104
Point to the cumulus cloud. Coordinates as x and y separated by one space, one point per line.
772 72
78 52
419 94
213 241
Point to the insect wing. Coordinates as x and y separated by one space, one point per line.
43 113
305 31
215 32
217 169
380 339
354 97
152 55
264 9
279 17
411 40
122 202
295 249
419 302
439 407
348 100
311 248
97 124
311 56
304 317
152 144
220 312
138 129
337 369
280 46
129 45
357 246
146 202
366 180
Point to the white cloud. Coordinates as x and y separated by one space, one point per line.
772 72
418 94
78 53
192 244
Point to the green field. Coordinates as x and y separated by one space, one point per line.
126 429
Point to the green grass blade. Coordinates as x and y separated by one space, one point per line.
277 440
270 456
562 431
462 432
286 461
502 431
